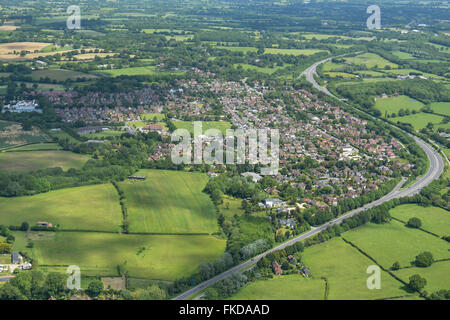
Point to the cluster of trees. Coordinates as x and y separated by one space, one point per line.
226 287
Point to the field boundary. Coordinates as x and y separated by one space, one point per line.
426 231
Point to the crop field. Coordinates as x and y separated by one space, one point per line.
59 75
12 134
169 202
34 160
206 125
394 104
289 287
83 208
146 256
441 108
345 267
371 60
433 219
7 49
436 275
394 241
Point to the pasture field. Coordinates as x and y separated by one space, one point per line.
441 108
103 135
394 104
143 256
36 147
93 207
34 160
421 120
371 60
206 125
403 55
169 202
433 219
138 71
295 52
436 275
151 116
59 75
394 241
267 70
231 206
12 134
345 268
340 74
238 49
289 287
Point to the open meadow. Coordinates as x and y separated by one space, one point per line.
394 241
147 256
93 207
289 287
394 104
34 160
345 268
169 202
12 134
437 275
433 219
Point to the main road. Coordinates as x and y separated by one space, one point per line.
435 170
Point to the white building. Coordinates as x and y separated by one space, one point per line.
22 106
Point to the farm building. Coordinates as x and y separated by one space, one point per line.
137 177
16 258
44 224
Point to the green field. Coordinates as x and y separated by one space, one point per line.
136 71
437 275
169 202
239 49
433 219
394 241
394 104
59 75
36 147
206 125
421 120
83 208
441 108
151 116
144 256
34 160
345 268
295 52
371 60
104 134
289 287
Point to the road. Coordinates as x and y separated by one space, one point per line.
435 170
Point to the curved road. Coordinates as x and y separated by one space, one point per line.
434 172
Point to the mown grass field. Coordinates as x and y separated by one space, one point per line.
433 219
104 134
394 241
83 208
36 147
345 268
421 120
289 287
371 60
143 256
169 202
394 104
34 160
59 75
437 275
151 116
206 125
295 52
441 108
136 71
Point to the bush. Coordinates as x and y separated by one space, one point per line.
424 259
414 223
